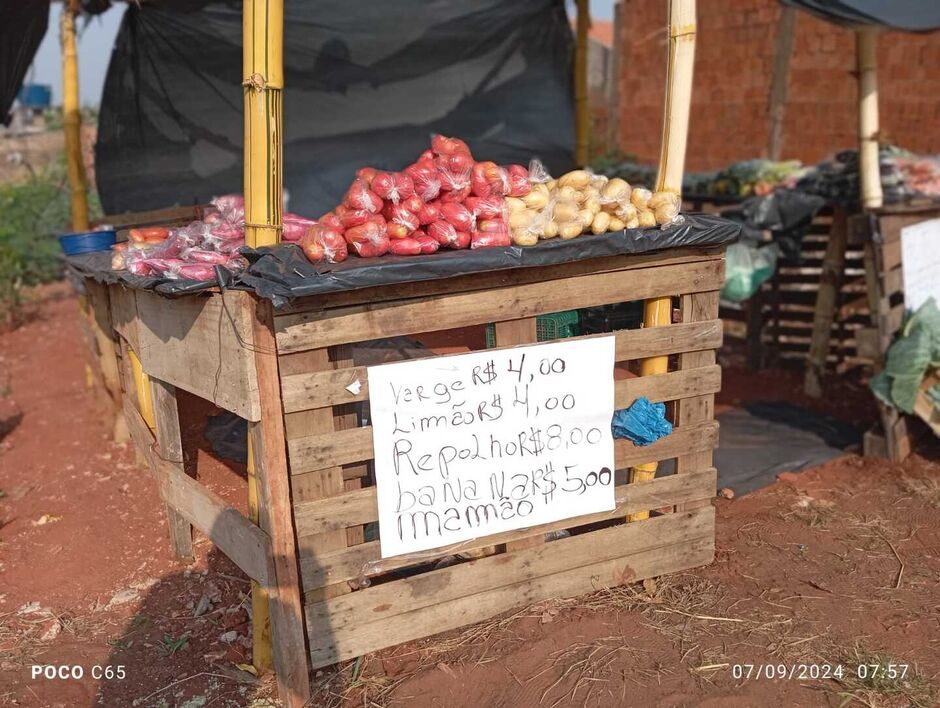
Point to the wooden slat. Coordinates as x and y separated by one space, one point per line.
124 314
491 280
360 323
317 389
451 597
830 284
366 560
154 217
199 344
170 443
894 281
327 481
359 507
245 544
697 409
274 505
317 452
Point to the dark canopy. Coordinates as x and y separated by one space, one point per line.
22 26
908 15
366 83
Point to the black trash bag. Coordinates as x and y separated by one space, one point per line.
786 213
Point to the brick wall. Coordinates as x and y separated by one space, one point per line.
734 60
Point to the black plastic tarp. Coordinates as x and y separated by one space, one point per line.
282 273
908 15
366 83
22 26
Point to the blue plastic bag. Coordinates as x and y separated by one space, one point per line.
643 422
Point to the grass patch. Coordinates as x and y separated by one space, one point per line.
34 212
875 679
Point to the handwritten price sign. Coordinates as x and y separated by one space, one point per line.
477 444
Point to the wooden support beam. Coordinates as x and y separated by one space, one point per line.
783 49
830 283
170 447
276 517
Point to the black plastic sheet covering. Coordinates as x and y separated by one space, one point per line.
909 15
282 273
366 83
22 26
786 213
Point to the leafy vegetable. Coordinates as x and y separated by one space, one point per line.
910 357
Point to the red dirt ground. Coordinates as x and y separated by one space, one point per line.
839 565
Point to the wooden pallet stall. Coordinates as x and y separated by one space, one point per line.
880 232
289 374
775 326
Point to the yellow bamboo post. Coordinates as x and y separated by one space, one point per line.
866 49
144 393
261 656
657 312
582 111
72 118
263 66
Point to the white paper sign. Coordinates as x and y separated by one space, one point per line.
476 444
920 262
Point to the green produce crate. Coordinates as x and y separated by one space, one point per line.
557 325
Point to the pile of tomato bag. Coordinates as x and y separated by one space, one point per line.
191 252
446 199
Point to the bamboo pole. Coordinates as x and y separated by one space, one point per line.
263 66
144 391
779 80
72 118
657 312
261 649
866 48
582 110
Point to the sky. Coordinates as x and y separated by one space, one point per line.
97 38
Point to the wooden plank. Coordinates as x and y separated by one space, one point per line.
346 417
317 452
501 278
200 344
318 389
360 507
564 568
364 322
890 255
170 443
697 409
124 314
274 509
169 215
893 319
434 587
826 300
894 281
868 343
327 480
99 303
366 560
245 544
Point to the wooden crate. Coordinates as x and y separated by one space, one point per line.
287 372
880 232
